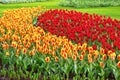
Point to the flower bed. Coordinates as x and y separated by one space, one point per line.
28 52
83 27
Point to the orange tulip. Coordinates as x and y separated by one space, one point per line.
14 44
19 41
83 47
79 47
118 57
102 64
81 57
20 46
2 31
90 48
75 50
56 59
2 39
76 54
39 48
24 50
53 54
102 51
65 55
47 59
63 50
89 55
118 64
74 57
17 52
109 52
90 60
37 42
83 53
96 54
113 56
28 45
91 52
32 53
5 46
104 57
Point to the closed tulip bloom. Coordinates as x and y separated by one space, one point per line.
102 51
90 48
65 55
118 64
7 54
83 53
90 60
81 57
102 64
56 59
53 54
96 54
47 59
74 57
104 57
24 50
118 57
113 56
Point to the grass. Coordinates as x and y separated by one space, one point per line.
53 4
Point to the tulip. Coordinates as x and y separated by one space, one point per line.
104 57
7 54
24 50
74 57
81 57
56 59
47 59
118 57
90 60
118 64
102 64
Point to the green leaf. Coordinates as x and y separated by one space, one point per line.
75 67
34 21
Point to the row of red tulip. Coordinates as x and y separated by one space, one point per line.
82 27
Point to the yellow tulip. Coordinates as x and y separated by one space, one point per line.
7 54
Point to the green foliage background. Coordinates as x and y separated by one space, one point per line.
19 1
89 3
